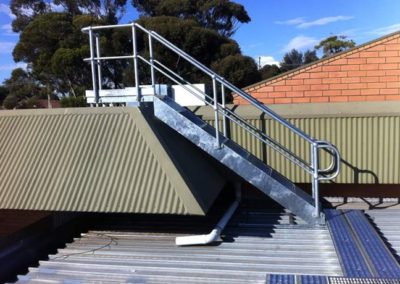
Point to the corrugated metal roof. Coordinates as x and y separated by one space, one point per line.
97 160
387 221
255 243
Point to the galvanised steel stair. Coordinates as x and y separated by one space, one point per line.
213 140
236 158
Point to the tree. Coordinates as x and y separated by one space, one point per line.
206 45
291 60
294 59
268 71
335 44
10 102
22 90
54 47
310 56
242 70
26 11
219 15
3 93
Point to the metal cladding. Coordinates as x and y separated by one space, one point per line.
366 134
256 242
98 160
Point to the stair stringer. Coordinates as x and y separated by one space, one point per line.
237 159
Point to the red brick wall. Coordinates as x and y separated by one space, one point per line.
368 73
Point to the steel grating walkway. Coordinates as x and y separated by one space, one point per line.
256 243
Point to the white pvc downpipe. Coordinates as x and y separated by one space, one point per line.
214 235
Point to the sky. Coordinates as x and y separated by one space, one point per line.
275 27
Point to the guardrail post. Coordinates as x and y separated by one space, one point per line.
153 78
223 106
92 65
98 61
135 64
216 122
315 177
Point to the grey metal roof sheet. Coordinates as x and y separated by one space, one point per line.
255 243
387 221
97 160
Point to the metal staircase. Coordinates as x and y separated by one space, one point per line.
215 139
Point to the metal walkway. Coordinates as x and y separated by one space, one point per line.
387 222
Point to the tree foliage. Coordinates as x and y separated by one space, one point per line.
26 11
268 71
310 56
3 93
238 68
54 46
335 44
294 59
22 90
219 15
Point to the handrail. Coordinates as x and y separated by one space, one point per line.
253 130
334 168
311 167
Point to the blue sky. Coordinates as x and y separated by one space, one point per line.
276 26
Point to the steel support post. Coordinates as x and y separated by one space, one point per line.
224 126
216 117
153 76
315 177
99 80
135 64
93 67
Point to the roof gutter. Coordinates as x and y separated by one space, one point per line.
215 234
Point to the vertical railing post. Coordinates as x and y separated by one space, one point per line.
135 63
216 122
153 76
92 65
315 176
98 61
223 107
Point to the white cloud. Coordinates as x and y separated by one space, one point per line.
6 47
300 43
5 9
324 21
386 30
292 22
302 23
7 30
266 60
12 66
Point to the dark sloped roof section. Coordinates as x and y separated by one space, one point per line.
91 160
